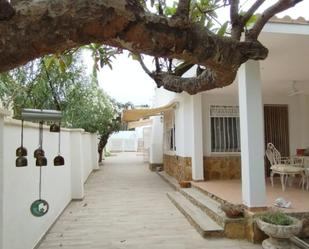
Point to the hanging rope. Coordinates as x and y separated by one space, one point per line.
41 147
59 140
22 133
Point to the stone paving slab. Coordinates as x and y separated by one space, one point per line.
126 207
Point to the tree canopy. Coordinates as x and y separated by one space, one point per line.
60 82
30 29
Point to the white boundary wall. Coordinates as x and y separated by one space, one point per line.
19 186
123 141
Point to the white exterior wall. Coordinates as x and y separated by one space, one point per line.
156 152
88 162
298 107
184 126
123 141
20 186
188 130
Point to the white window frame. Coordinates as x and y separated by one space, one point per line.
224 111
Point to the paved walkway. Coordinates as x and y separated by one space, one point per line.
126 207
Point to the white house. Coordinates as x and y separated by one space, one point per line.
221 134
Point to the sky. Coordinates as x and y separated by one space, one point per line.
127 82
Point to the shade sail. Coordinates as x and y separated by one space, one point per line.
143 122
137 114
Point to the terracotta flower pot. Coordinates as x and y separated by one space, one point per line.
185 184
232 211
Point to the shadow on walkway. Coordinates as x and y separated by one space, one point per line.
126 207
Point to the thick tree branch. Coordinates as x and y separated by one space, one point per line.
279 6
234 8
55 26
183 9
207 80
43 27
237 26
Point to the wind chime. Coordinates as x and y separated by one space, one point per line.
39 207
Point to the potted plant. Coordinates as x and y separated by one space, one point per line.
184 184
279 227
232 210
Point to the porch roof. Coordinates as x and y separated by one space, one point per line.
137 114
288 43
140 123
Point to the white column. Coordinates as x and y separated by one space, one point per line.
197 138
77 165
304 121
156 141
3 113
252 135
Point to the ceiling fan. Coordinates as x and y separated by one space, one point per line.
294 91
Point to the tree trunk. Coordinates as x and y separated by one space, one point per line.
101 146
43 27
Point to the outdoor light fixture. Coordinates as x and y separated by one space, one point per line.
59 160
39 207
41 160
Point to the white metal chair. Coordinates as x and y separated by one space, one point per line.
305 180
284 166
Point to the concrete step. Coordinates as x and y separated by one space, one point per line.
170 180
197 218
208 205
212 196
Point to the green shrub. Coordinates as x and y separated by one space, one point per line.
276 218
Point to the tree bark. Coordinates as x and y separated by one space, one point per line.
44 27
101 146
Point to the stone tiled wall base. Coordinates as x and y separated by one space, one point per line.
252 232
305 217
222 167
235 229
178 167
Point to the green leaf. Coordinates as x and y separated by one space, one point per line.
49 61
62 65
222 29
251 21
169 11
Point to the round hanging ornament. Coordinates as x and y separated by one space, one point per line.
39 208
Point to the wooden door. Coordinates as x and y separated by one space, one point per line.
276 127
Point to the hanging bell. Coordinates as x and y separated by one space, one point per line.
38 152
41 161
21 151
54 128
58 161
21 161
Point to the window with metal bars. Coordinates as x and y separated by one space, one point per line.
225 130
